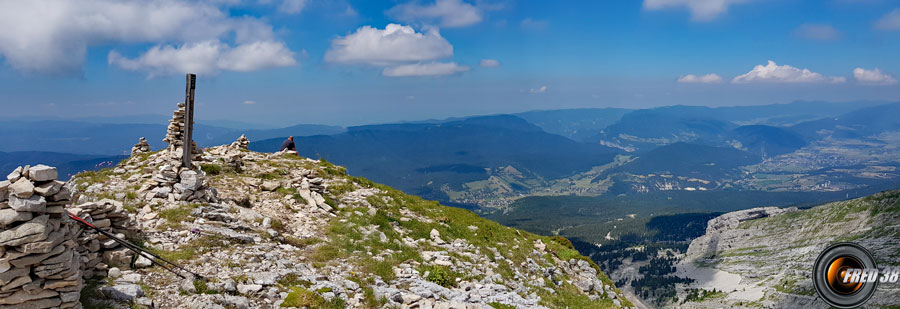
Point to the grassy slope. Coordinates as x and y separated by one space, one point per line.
346 244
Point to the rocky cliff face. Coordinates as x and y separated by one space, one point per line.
280 230
764 256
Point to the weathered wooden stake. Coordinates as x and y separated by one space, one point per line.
188 120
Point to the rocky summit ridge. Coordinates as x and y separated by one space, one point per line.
763 257
277 230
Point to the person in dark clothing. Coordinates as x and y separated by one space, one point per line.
289 145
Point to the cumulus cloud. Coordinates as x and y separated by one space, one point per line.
890 21
446 13
292 6
773 73
424 69
701 10
817 32
711 78
249 102
207 57
395 44
398 48
873 77
542 89
52 36
489 63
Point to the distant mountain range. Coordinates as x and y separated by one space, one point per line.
79 137
421 158
515 155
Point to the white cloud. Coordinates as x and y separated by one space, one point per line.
534 25
52 36
207 57
292 6
489 63
424 69
447 13
711 78
873 77
249 102
395 44
818 32
773 73
890 21
542 89
701 10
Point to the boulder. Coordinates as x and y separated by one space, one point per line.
21 188
270 185
123 292
42 172
248 288
34 203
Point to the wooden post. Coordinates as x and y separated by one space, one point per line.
191 81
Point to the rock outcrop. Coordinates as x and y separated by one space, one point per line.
712 242
39 266
767 254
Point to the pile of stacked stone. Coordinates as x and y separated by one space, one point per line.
172 181
175 134
97 251
39 267
179 184
141 147
242 143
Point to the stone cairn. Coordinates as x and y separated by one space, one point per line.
175 134
98 252
140 147
39 264
172 181
241 143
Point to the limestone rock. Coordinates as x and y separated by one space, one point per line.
9 215
34 203
270 185
123 292
48 188
22 188
42 172
4 189
31 231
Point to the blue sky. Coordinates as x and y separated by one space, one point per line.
282 62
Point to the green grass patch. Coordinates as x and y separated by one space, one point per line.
497 305
293 280
211 169
700 295
203 288
440 275
175 216
302 298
